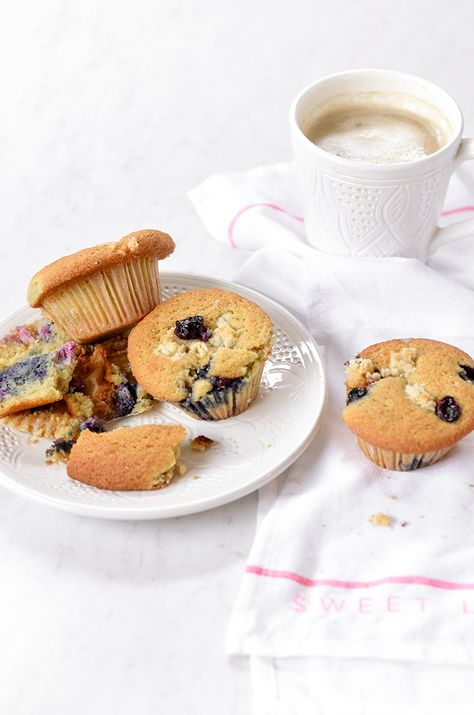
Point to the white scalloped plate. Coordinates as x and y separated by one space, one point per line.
249 449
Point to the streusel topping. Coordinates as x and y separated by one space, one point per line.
410 395
233 333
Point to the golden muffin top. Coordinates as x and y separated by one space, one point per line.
139 244
207 327
414 395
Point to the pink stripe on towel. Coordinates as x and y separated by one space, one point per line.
335 583
275 207
230 230
461 209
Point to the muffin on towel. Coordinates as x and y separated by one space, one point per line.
105 289
130 458
409 401
203 350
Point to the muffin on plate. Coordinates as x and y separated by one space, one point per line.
129 458
101 388
105 289
204 350
409 401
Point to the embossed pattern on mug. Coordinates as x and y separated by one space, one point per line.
373 218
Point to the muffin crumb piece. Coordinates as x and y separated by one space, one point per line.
201 443
403 362
59 451
373 376
380 519
132 243
419 394
358 371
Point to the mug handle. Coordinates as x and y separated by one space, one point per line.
462 228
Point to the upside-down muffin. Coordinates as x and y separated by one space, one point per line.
104 289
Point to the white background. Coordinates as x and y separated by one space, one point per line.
109 113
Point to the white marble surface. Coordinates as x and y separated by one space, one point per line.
110 112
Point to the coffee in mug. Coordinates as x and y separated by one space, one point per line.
379 128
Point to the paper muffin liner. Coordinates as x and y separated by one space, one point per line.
400 461
54 422
228 401
106 302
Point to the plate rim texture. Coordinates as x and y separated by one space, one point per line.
9 477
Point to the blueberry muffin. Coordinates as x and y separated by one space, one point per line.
101 388
130 458
409 401
37 379
203 350
105 289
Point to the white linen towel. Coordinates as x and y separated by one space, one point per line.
340 616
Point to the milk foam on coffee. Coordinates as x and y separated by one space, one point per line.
380 128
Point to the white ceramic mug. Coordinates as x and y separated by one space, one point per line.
366 209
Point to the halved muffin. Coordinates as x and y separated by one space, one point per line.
130 458
101 388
